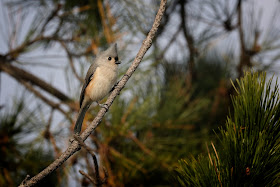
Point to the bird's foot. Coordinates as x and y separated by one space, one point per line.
71 140
104 106
115 87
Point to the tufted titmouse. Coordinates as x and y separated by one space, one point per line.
99 81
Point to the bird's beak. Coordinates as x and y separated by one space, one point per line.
118 62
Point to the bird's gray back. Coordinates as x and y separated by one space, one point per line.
90 73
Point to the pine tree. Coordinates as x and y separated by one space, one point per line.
21 155
248 154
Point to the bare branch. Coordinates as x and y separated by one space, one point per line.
71 62
74 147
43 98
48 135
245 59
21 74
97 181
190 43
51 16
13 54
240 25
88 177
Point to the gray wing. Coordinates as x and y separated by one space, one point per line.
89 75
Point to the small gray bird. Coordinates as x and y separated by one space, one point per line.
100 79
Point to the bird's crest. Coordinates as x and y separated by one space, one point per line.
111 51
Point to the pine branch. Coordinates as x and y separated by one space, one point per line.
74 146
21 74
249 152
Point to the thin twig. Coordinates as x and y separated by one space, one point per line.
88 177
97 179
78 138
71 62
144 148
123 158
48 135
240 25
74 147
190 43
13 54
51 16
42 97
245 59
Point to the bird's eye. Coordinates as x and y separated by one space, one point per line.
116 59
109 58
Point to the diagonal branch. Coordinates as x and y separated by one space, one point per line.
21 74
74 146
14 53
71 62
43 98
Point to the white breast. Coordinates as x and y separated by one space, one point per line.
103 80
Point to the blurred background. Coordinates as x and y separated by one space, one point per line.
167 111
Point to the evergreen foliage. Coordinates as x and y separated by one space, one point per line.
19 156
145 136
249 152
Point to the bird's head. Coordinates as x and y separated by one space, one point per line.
109 56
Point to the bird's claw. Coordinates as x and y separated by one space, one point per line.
104 106
71 140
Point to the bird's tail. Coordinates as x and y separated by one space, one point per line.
79 122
